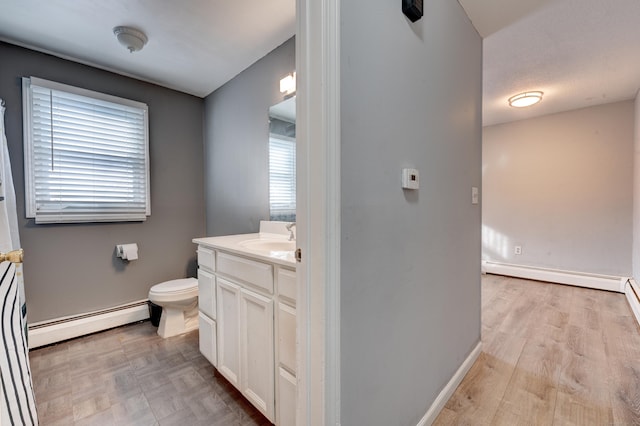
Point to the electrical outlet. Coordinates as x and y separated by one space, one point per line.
518 250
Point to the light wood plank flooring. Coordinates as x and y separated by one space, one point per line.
130 376
551 355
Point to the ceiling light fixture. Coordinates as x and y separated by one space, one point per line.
525 99
130 38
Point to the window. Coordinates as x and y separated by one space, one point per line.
86 155
282 177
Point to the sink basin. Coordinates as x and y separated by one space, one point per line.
269 245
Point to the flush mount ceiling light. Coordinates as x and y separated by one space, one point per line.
525 99
130 38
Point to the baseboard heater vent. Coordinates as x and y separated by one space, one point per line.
59 329
633 297
580 279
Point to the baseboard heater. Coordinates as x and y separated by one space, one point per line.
580 279
59 329
633 297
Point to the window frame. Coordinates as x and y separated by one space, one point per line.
283 215
97 214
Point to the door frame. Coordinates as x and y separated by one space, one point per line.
318 211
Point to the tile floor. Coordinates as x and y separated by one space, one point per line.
130 376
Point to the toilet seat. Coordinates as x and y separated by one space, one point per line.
181 287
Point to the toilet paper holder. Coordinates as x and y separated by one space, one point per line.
127 251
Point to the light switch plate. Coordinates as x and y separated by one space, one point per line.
474 195
410 179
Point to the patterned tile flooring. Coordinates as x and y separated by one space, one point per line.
130 376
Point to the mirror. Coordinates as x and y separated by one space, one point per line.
282 161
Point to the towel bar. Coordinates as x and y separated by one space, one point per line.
14 256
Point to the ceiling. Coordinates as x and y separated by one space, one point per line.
194 46
578 52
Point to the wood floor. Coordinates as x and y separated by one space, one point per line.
130 376
551 355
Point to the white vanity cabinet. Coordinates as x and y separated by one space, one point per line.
256 351
228 296
286 387
245 343
247 311
207 304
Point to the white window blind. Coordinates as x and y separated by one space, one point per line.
86 155
282 177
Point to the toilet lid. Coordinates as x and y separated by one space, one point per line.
175 285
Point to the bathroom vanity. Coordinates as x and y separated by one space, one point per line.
247 317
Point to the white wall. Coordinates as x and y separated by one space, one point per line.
560 186
636 192
410 260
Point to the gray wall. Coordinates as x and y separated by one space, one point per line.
71 269
636 191
410 260
237 144
561 187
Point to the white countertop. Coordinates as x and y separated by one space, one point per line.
232 244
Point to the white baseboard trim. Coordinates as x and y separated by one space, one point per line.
580 279
59 329
450 387
633 297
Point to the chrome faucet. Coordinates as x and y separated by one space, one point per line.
290 227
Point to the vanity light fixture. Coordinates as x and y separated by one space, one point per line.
130 38
288 84
525 99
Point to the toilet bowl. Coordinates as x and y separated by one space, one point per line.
179 302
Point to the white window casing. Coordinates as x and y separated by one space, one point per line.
86 155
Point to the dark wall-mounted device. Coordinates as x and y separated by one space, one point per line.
412 9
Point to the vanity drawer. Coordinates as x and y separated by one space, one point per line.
206 258
287 283
208 342
207 293
256 273
287 336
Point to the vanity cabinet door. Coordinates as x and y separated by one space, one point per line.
286 398
228 301
287 336
207 293
207 340
257 351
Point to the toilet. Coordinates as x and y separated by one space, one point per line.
179 302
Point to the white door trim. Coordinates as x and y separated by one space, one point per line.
318 211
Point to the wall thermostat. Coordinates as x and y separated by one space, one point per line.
412 9
410 179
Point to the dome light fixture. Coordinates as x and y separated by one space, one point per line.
130 38
525 99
